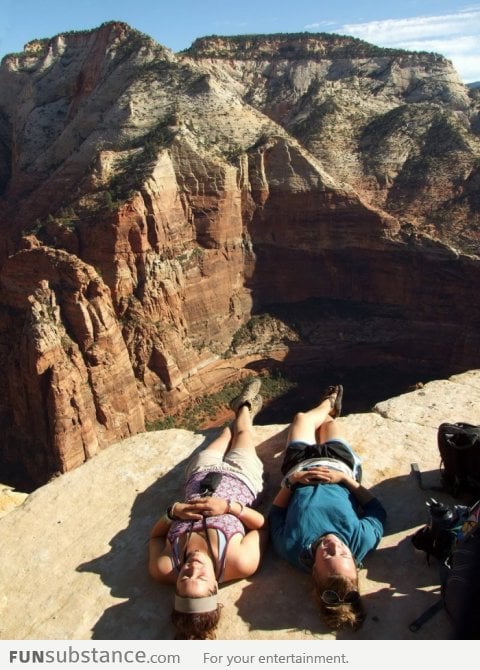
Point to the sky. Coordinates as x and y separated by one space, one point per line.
448 27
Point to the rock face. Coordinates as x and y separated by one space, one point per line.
152 202
74 554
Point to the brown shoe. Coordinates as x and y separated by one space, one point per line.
248 393
256 405
335 395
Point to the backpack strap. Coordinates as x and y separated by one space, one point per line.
417 473
426 616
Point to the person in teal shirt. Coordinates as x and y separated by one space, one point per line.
323 520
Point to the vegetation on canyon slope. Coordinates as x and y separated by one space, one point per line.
204 411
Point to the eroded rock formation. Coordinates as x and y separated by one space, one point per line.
152 202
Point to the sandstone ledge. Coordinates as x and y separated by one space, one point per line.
74 554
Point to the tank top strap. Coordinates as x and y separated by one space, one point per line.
222 553
219 564
175 554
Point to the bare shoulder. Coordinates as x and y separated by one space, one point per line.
243 555
160 562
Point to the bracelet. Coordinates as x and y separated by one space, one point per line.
166 518
287 484
230 511
170 513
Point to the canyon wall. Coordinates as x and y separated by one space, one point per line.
152 203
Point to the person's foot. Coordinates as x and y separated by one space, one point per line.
246 396
334 395
256 405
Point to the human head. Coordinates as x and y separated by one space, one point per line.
334 570
196 577
196 625
196 611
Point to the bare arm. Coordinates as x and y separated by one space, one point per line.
159 549
160 529
243 557
282 498
159 560
213 506
323 475
244 561
285 493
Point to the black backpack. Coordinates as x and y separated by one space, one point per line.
460 581
459 446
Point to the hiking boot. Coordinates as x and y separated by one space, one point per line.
256 406
248 393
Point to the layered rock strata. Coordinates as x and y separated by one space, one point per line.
153 202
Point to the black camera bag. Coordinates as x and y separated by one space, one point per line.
459 446
210 483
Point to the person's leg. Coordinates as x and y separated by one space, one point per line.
304 430
212 455
305 424
220 444
242 430
242 455
329 430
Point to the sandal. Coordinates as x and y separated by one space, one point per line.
334 394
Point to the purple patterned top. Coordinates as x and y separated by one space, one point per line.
230 488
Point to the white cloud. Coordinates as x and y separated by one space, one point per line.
397 31
319 25
456 36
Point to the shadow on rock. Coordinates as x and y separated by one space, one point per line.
405 501
144 607
280 598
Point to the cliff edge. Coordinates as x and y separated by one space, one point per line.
74 554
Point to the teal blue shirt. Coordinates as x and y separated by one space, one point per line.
314 511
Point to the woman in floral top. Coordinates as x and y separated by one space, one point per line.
211 539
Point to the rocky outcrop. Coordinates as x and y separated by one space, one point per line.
68 365
152 202
74 554
394 125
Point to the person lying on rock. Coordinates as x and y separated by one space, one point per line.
322 520
206 540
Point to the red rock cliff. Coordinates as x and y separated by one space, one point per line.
152 202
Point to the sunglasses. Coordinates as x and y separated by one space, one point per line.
332 598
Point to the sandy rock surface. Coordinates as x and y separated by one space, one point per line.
74 554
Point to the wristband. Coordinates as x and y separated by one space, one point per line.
170 513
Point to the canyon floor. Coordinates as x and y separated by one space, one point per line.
74 553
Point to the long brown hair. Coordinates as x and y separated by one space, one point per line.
344 615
